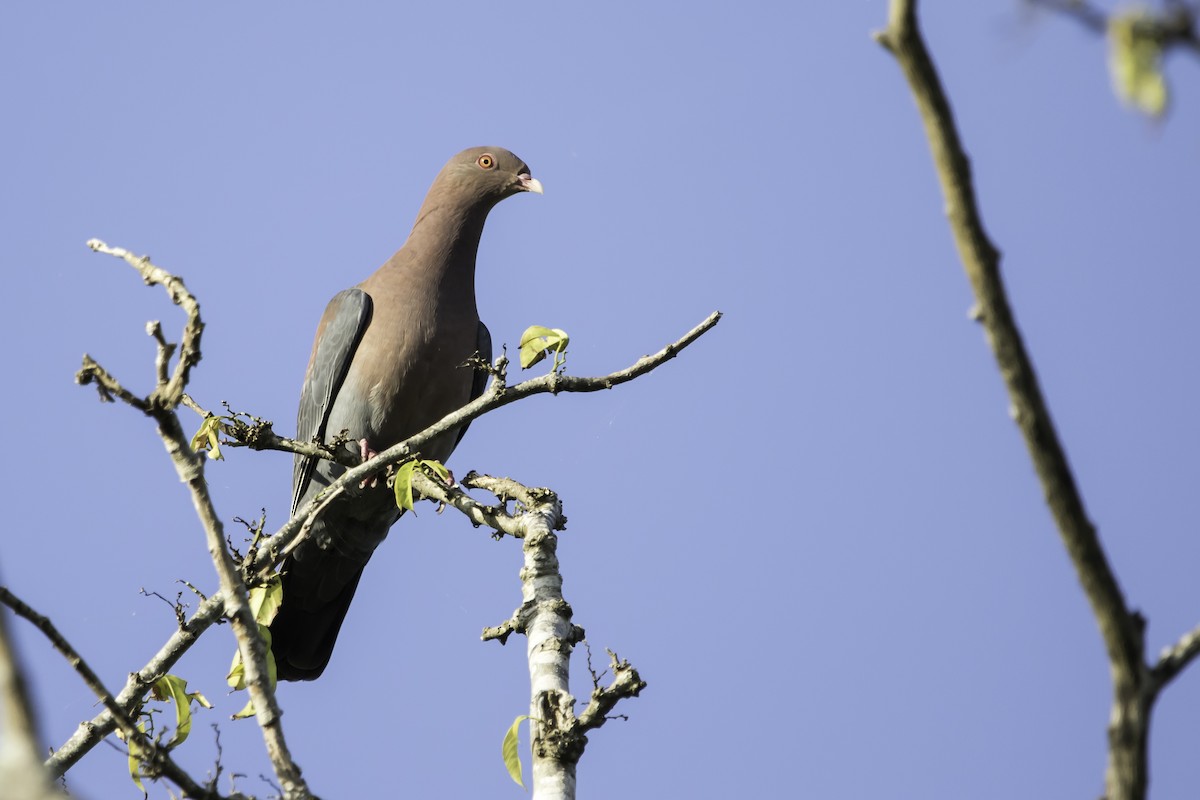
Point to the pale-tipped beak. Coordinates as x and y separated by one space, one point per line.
529 183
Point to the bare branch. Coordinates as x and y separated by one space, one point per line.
108 386
494 517
556 743
625 683
1175 658
166 396
982 263
559 738
502 631
162 362
176 607
256 433
1122 630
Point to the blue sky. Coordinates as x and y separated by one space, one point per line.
817 534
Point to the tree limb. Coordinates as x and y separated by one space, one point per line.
167 391
1122 630
625 683
559 737
1175 658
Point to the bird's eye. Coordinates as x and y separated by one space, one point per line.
487 161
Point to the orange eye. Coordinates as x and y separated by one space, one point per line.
486 161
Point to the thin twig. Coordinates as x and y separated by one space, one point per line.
1175 658
166 396
625 683
494 517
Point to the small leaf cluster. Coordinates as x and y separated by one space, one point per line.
508 750
537 341
404 476
265 600
1135 60
208 437
168 687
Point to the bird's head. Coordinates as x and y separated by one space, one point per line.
489 174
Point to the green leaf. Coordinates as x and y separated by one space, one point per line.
403 485
266 599
236 679
272 671
538 340
135 761
208 438
438 468
1135 59
508 749
247 711
172 687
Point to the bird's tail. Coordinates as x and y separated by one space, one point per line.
303 635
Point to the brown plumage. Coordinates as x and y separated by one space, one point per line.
387 363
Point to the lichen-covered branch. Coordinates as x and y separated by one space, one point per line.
625 683
544 617
495 517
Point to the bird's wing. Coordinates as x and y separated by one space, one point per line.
338 334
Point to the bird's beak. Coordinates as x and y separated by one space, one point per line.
528 183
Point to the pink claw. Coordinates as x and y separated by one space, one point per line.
365 451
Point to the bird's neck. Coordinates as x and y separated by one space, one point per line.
447 235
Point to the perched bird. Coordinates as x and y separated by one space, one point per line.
388 361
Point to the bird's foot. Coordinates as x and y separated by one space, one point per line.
367 453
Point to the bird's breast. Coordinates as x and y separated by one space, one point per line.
412 372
